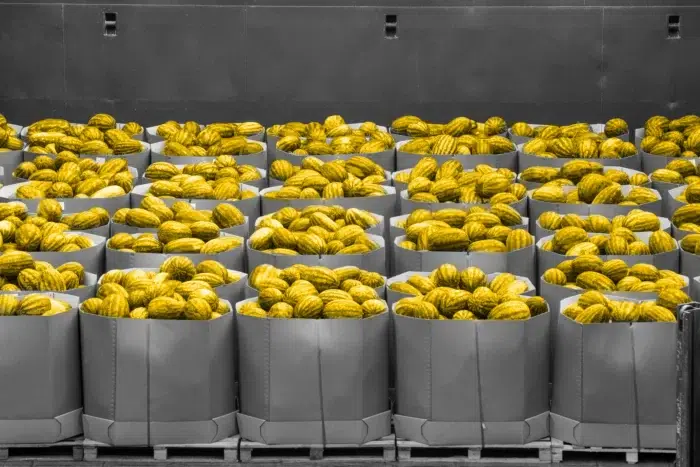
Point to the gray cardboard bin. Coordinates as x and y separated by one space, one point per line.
508 160
537 207
541 232
668 260
387 179
115 259
614 384
101 231
70 205
154 137
518 140
258 159
17 129
679 234
259 184
137 136
383 205
249 207
314 381
373 261
630 172
82 293
407 205
151 381
638 136
242 230
378 229
9 160
651 162
554 294
600 128
40 367
249 291
472 382
398 137
139 160
400 186
396 231
690 266
23 131
672 202
233 292
530 160
384 158
92 259
132 170
392 296
520 262
664 188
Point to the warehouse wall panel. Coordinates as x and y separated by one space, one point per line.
320 54
31 52
159 53
275 60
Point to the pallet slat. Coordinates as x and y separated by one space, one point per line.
226 449
380 450
538 452
69 448
632 455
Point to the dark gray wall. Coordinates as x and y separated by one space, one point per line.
274 60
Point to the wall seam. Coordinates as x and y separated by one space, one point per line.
65 64
603 71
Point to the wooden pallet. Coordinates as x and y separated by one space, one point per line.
67 449
225 450
538 452
632 456
382 450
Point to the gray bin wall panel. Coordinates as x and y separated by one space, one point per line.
592 390
41 394
305 379
129 380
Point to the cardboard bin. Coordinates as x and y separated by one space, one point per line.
306 381
151 381
614 384
41 392
472 382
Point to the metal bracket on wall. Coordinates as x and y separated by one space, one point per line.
391 27
110 23
674 27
